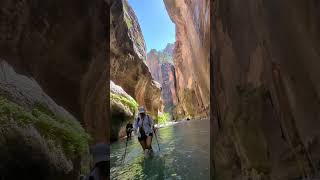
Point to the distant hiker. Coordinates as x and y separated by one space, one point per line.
144 127
175 120
129 128
101 162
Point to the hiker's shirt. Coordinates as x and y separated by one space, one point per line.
146 123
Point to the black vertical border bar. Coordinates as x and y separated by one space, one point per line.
211 94
212 91
107 56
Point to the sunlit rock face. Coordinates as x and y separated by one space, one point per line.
168 82
266 89
154 64
191 55
161 66
128 56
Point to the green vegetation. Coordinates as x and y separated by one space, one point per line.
128 21
117 116
65 132
140 41
127 17
127 101
163 118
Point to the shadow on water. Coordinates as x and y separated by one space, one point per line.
184 155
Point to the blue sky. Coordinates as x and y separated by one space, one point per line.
156 25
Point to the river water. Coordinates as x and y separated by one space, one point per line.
184 154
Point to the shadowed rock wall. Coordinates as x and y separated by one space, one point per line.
265 72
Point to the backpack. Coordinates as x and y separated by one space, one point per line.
147 120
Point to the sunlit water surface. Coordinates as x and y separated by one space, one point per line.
184 154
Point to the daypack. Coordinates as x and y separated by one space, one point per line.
147 120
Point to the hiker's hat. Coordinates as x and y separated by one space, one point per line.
101 153
142 110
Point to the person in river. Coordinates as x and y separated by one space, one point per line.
101 161
129 128
144 127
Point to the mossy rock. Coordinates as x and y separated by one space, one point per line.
48 137
123 109
126 101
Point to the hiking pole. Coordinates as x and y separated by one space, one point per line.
125 151
156 138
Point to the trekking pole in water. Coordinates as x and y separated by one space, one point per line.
125 151
156 138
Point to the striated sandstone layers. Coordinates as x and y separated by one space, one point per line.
266 93
128 56
191 55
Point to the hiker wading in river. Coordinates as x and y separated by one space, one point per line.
144 127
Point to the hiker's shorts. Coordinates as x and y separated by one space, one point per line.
144 136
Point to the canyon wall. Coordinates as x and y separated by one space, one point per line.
123 109
53 77
191 55
265 89
161 66
127 56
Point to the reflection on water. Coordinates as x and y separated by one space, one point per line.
184 154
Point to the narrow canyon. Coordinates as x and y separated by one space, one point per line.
251 67
174 80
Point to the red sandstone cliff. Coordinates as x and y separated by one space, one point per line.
161 66
191 55
127 56
266 93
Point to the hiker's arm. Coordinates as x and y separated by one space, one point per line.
152 123
135 125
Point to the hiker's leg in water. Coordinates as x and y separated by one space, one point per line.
149 142
143 144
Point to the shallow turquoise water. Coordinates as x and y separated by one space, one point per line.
184 154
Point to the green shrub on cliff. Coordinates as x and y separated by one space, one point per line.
163 118
127 101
